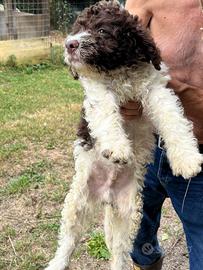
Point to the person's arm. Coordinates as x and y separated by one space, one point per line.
139 8
133 109
179 87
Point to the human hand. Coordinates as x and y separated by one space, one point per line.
176 85
131 110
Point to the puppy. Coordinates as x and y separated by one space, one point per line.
116 61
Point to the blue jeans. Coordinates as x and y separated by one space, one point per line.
160 184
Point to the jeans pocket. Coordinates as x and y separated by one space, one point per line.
165 173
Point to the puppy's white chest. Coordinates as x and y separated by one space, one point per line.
124 84
125 89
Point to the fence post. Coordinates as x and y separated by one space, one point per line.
46 13
9 18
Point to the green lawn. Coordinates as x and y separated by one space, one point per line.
38 118
36 108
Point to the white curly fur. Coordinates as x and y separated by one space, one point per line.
118 186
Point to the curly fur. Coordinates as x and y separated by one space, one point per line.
116 61
127 44
84 132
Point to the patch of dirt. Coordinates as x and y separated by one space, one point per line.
25 213
60 159
171 238
26 210
174 245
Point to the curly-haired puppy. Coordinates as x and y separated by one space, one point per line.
116 61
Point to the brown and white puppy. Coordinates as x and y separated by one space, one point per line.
116 61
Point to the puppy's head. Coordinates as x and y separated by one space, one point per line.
105 36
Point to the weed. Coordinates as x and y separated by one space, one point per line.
32 175
18 185
96 246
29 69
11 61
7 231
50 145
10 149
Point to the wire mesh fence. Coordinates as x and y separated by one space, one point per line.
29 28
21 19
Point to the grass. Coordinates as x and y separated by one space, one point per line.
33 105
33 175
39 111
36 108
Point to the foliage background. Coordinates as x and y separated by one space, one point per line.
64 12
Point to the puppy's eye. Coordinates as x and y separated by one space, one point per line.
101 31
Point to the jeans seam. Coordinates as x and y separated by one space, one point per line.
163 180
160 164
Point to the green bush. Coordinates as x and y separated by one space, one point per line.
64 12
61 15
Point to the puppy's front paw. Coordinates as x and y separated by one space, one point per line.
188 166
120 155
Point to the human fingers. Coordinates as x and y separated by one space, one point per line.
130 112
132 105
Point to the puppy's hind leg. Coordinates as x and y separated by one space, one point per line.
108 227
124 221
121 241
70 232
73 216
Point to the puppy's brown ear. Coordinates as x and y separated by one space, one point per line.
74 73
148 47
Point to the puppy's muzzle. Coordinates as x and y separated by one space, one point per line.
72 46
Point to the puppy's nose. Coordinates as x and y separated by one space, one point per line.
72 45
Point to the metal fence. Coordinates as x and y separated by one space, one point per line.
28 28
21 19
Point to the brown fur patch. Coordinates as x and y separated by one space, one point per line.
116 38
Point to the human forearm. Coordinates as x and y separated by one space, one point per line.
179 86
140 9
192 100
